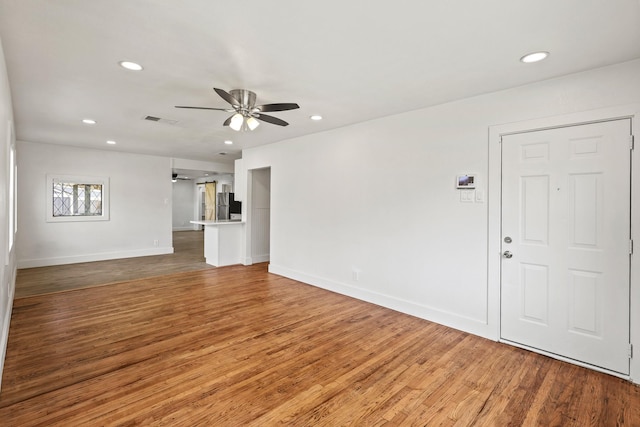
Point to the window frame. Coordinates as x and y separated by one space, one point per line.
11 192
77 179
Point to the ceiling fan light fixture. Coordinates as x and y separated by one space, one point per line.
252 123
236 122
247 116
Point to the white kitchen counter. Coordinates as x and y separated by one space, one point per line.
222 242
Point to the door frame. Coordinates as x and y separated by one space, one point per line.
248 257
494 198
252 232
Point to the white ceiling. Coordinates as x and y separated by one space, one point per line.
350 61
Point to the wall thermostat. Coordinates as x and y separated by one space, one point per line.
466 181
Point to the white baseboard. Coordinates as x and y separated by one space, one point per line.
255 259
452 320
187 228
103 256
4 337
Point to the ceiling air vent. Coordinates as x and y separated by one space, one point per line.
160 120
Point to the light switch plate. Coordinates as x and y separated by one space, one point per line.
467 196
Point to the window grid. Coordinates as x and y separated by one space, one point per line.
71 199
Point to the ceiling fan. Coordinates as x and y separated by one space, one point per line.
246 112
175 177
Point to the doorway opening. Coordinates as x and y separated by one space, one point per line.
259 215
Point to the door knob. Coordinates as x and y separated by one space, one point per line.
507 254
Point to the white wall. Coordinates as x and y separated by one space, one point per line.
140 206
7 259
184 201
371 210
226 179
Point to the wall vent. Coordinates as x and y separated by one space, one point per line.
160 120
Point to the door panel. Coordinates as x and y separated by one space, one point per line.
585 292
535 293
535 208
566 208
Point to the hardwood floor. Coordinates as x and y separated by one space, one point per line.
238 346
188 256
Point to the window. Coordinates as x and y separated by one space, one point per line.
11 180
13 173
77 198
71 199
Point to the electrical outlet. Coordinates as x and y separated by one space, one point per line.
355 274
155 243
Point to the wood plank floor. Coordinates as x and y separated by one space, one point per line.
238 346
188 256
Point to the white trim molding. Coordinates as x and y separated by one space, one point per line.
100 256
452 320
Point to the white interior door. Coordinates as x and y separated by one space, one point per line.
566 242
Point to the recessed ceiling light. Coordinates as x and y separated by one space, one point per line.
88 121
228 142
316 117
130 65
110 142
534 57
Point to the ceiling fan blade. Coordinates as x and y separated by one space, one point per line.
278 107
227 97
270 119
226 122
204 108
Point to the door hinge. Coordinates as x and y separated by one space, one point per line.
630 351
630 247
631 142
